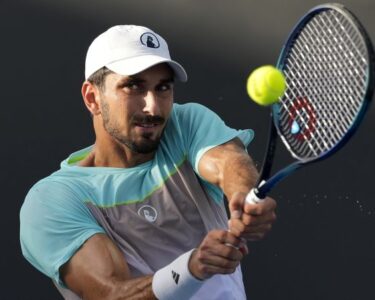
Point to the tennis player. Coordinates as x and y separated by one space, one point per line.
140 214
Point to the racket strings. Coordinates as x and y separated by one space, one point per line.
317 89
326 75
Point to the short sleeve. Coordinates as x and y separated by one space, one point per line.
204 129
54 223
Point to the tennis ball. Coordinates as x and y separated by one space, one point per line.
265 85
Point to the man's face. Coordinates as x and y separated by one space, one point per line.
135 108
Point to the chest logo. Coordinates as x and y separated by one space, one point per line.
148 212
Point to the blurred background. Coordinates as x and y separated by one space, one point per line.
322 246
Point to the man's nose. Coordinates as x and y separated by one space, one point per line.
151 104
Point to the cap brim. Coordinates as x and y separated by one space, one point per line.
131 66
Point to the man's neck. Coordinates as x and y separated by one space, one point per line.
114 155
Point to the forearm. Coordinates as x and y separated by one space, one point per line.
161 285
132 289
230 167
239 174
98 271
114 288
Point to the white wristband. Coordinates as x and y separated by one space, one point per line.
175 281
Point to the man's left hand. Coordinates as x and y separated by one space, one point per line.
251 221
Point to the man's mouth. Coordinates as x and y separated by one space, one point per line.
149 122
147 125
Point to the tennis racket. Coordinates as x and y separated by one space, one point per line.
328 63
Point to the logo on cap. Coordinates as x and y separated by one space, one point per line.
148 212
150 40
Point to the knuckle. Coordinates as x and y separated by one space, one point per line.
261 210
200 256
227 251
203 269
247 220
204 246
203 256
228 264
242 228
238 255
212 233
219 235
235 232
223 234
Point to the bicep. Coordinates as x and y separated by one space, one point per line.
94 265
98 270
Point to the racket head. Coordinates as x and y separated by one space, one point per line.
328 62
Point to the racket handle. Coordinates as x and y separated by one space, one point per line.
252 198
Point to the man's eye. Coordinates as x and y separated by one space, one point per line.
165 87
132 86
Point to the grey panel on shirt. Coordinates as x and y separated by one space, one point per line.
172 220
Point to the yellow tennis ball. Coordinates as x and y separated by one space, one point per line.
265 85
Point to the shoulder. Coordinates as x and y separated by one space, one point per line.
190 107
192 113
49 194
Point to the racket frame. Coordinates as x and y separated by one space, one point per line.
266 183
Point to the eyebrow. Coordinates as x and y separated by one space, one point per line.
133 79
167 80
137 79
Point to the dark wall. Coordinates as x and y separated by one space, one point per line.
322 246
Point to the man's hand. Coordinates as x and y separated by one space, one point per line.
219 253
251 221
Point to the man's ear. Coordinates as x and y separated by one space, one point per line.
91 97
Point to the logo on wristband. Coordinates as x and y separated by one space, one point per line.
175 276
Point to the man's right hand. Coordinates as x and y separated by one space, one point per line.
219 253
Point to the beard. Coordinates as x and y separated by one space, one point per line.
145 145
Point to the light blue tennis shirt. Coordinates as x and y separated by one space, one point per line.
154 212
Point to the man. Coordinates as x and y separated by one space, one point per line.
140 214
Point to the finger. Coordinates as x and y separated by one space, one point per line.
236 227
221 255
243 247
267 205
227 238
264 228
210 270
251 220
220 238
240 230
254 237
256 234
206 263
236 203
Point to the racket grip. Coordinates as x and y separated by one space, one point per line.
252 198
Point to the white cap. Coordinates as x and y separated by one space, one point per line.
128 50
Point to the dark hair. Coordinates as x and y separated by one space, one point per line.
99 76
